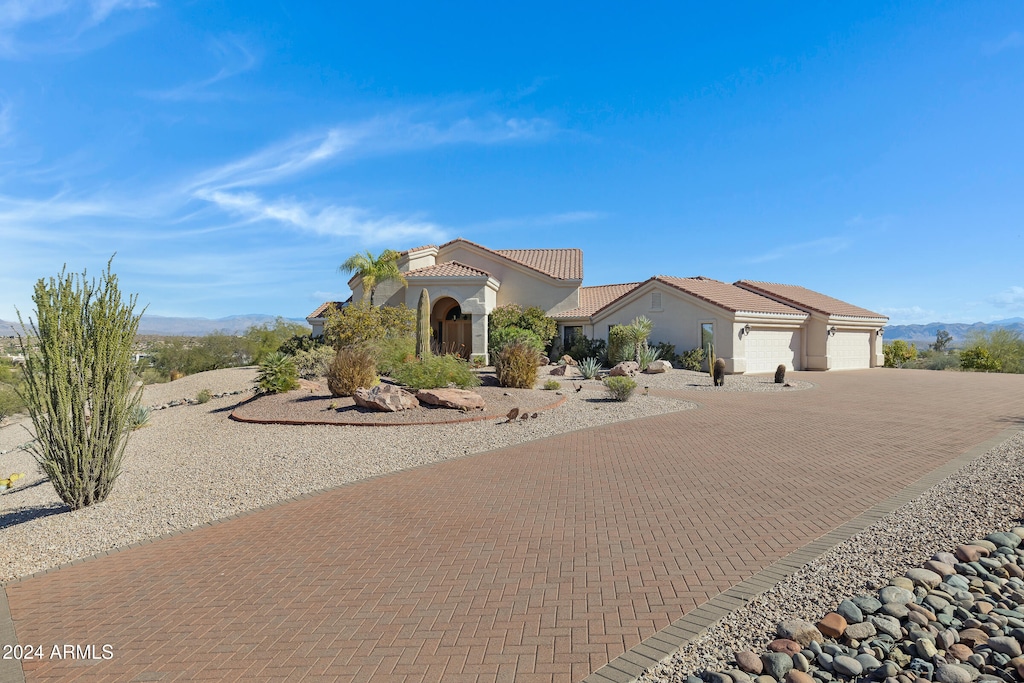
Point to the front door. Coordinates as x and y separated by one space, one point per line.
457 337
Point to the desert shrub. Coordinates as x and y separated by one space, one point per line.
620 388
646 355
361 323
277 374
516 366
620 344
140 417
552 385
79 383
189 355
301 342
314 362
581 347
533 319
692 360
589 367
978 358
898 353
154 376
433 372
499 338
667 352
353 368
263 340
1004 347
204 396
392 353
10 402
942 361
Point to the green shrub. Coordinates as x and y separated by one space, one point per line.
589 367
79 383
552 385
154 376
392 353
942 361
898 353
361 323
1004 348
516 365
140 417
314 362
503 336
433 372
533 319
978 358
263 340
620 344
277 374
10 402
581 347
353 368
204 396
301 342
667 352
692 360
620 388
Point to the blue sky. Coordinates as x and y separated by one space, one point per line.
233 154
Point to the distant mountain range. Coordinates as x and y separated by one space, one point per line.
183 327
923 335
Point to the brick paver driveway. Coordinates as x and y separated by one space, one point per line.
539 562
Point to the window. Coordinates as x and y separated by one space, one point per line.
707 337
570 331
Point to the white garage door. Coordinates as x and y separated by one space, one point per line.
849 351
766 349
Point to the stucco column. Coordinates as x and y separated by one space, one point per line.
480 336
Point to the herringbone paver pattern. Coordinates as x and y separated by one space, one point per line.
535 563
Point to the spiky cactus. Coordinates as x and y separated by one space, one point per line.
780 374
423 325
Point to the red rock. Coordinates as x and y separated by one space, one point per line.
795 676
973 637
832 625
749 662
940 568
452 398
960 651
970 553
559 370
790 647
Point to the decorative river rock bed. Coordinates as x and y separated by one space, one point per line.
957 619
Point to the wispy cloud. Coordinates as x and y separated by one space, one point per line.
820 247
909 315
6 118
235 58
1012 40
34 26
1012 298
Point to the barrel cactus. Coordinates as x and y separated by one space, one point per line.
780 374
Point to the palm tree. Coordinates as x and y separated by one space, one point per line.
374 271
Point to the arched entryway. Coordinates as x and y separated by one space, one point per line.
453 329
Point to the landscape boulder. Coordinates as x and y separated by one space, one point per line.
559 370
626 368
460 399
658 366
568 360
385 398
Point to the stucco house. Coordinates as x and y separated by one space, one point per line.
754 326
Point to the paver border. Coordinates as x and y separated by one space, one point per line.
659 648
11 670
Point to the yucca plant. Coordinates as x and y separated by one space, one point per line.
277 374
79 384
589 367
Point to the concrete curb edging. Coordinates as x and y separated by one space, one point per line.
11 670
659 648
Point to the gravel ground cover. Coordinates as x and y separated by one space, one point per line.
983 497
193 465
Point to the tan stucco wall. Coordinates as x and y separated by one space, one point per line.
677 322
477 299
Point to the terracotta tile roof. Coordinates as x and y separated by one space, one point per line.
322 308
561 264
425 246
448 269
729 297
808 299
593 299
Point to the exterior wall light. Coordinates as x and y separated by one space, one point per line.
745 330
879 332
832 331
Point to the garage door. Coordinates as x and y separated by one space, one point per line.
766 349
849 350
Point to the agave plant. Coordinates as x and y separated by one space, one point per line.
277 374
139 417
589 367
646 355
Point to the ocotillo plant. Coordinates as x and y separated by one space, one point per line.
423 325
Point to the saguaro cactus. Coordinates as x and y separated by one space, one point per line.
423 325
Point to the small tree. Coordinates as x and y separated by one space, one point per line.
361 323
942 341
898 353
374 270
79 384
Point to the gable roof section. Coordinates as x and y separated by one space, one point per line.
448 269
729 297
808 299
322 308
561 264
593 299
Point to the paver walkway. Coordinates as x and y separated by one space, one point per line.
539 562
